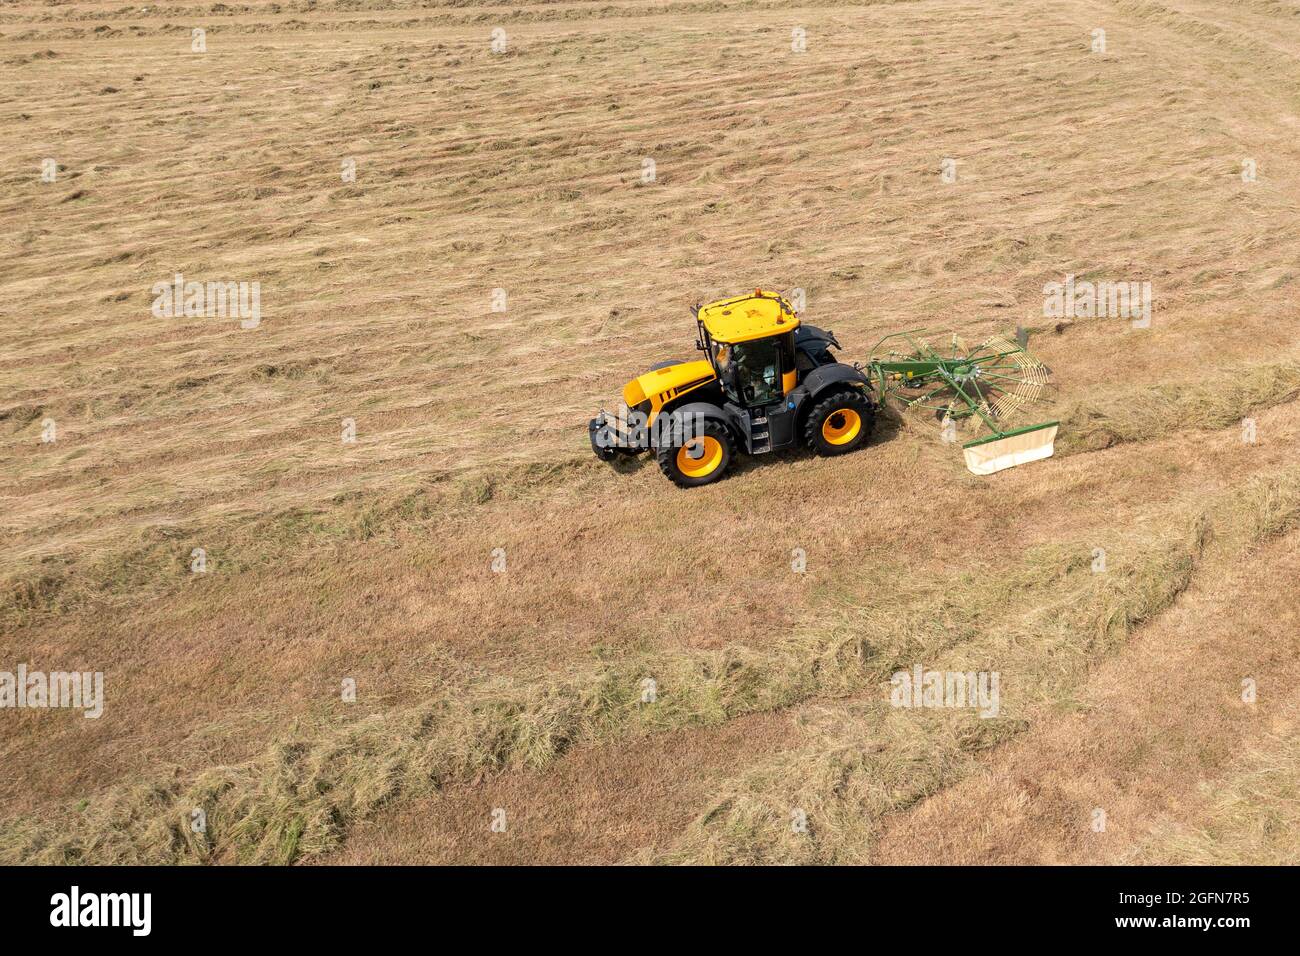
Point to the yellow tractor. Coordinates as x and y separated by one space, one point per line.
768 382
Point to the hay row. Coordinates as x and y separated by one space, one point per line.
299 798
874 759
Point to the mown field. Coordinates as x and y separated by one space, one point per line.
457 253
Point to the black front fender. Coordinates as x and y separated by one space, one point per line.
679 424
825 378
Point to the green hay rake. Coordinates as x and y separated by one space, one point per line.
987 384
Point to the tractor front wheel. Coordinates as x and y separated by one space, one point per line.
700 460
839 423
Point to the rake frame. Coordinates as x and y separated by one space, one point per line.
923 365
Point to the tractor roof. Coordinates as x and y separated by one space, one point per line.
748 317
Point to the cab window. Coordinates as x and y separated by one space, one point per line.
758 371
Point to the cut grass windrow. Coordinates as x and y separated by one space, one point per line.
873 759
299 798
1142 413
1251 819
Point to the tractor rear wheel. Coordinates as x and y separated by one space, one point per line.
699 460
839 423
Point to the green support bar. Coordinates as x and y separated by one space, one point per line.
998 436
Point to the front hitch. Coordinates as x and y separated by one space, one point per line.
603 438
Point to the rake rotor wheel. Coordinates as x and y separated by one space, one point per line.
1008 379
1008 382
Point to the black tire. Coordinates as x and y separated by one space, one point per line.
671 464
838 408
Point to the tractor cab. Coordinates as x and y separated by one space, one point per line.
750 342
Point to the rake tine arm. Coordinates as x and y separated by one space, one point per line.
971 404
925 397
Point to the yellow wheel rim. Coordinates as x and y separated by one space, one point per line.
841 426
706 464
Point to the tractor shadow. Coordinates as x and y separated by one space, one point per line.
631 464
887 429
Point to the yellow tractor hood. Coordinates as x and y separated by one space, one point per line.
662 385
